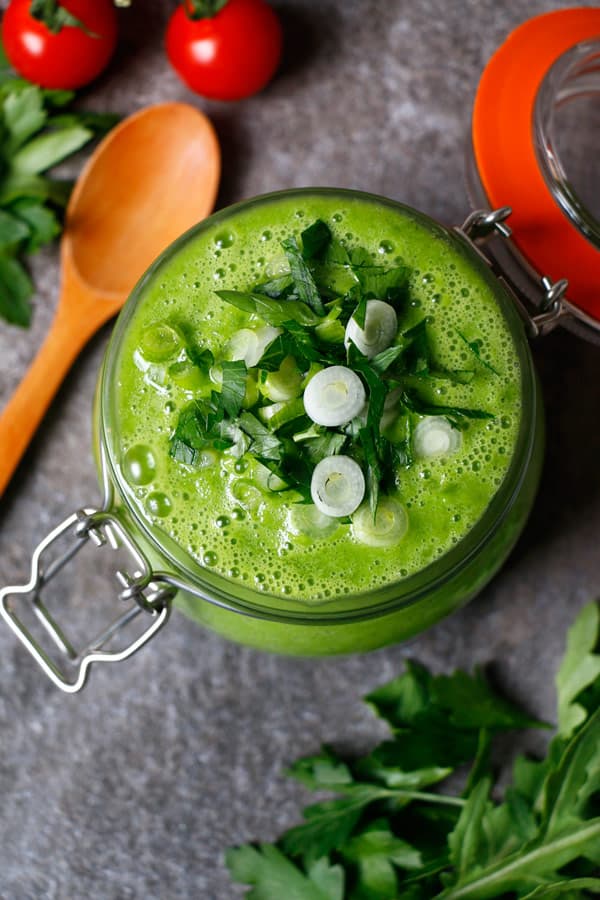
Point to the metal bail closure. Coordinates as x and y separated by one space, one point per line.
147 592
480 227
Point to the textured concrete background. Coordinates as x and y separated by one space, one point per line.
134 788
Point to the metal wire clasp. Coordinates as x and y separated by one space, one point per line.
146 591
482 225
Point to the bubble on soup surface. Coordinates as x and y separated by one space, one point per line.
139 465
224 239
158 504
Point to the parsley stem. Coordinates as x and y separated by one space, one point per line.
443 799
499 877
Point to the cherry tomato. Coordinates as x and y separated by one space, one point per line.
229 56
68 58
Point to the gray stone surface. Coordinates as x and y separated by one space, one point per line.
134 788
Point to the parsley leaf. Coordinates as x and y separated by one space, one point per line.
265 445
455 414
15 290
315 239
579 669
234 386
475 348
275 877
302 277
273 311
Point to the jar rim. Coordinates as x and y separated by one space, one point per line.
369 604
574 74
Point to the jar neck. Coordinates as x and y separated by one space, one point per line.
566 133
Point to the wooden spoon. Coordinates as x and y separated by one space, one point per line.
153 177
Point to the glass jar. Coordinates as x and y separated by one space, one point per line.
361 622
163 572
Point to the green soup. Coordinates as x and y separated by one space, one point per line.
225 510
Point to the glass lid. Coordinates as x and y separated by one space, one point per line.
536 113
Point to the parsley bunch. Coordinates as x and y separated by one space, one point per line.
390 834
36 133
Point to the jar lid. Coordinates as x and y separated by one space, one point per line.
505 155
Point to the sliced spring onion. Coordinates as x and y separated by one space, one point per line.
305 520
267 480
277 266
312 371
251 394
277 414
285 383
387 529
381 327
249 344
337 486
435 436
390 408
334 396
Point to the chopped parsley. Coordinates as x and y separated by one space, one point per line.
310 307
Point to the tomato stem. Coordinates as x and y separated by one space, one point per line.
55 17
203 9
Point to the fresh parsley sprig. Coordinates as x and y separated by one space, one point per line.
394 831
35 135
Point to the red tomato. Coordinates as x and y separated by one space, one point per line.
68 58
229 56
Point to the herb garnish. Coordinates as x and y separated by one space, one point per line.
390 834
311 306
34 137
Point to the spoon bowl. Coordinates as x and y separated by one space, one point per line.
153 177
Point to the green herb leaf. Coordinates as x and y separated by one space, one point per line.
324 770
475 349
12 231
233 388
274 312
46 151
277 288
274 876
570 887
98 122
15 292
302 277
16 186
23 114
579 669
318 442
315 240
197 428
467 840
41 223
265 445
330 823
378 282
378 853
455 414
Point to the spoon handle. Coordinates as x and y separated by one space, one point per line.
27 406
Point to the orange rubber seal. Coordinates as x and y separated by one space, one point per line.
505 155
